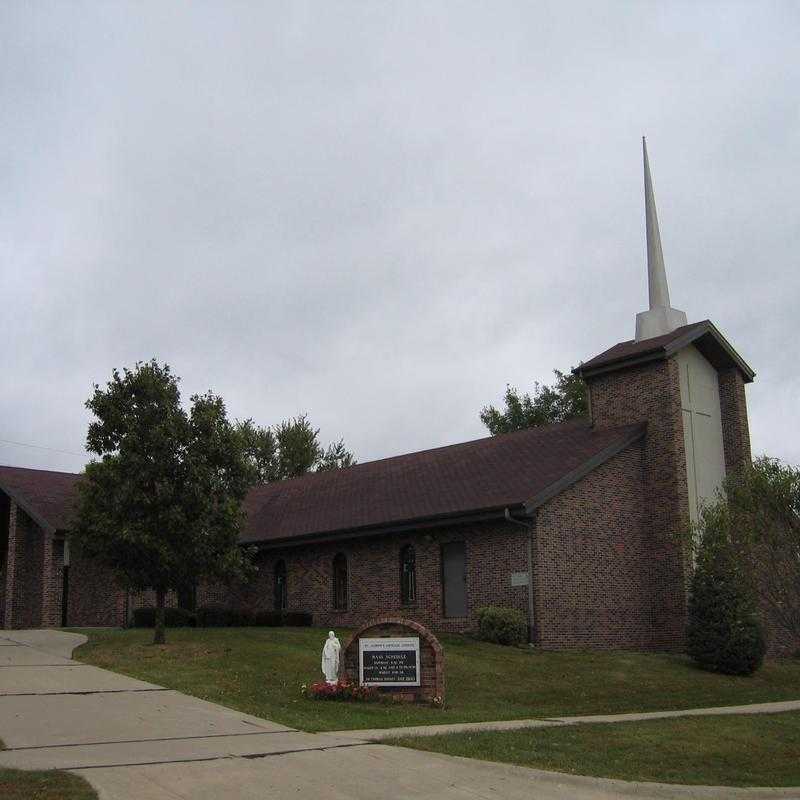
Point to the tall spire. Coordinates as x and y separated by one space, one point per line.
660 318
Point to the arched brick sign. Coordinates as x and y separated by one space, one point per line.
431 658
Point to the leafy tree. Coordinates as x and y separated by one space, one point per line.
564 400
260 449
764 502
336 456
162 506
299 450
723 633
289 449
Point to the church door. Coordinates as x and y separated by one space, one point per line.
454 577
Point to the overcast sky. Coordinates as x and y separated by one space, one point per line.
381 213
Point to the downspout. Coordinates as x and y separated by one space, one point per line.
531 613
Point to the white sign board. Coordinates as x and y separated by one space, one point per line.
389 662
519 578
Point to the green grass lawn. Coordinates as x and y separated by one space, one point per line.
260 670
742 750
19 784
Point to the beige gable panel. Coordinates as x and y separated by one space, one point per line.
702 423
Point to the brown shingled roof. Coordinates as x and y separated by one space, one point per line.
46 496
703 335
477 479
483 477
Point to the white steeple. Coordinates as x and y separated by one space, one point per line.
660 318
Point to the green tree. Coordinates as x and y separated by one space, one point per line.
260 450
764 503
162 506
336 456
566 399
290 449
723 632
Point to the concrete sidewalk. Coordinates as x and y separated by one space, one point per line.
56 713
135 740
381 734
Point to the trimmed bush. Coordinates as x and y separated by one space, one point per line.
277 619
298 619
268 619
723 633
221 617
173 617
502 625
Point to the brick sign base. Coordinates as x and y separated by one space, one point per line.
431 659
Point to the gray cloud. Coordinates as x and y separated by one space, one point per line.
382 213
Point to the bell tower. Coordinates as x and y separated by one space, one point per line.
686 382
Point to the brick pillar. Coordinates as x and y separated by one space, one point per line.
52 576
13 589
735 428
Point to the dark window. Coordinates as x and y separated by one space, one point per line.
187 597
340 581
454 574
281 595
408 575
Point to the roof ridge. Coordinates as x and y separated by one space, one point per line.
48 471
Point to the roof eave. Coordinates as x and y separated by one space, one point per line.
694 336
416 523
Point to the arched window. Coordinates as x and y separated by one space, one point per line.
408 575
281 596
340 581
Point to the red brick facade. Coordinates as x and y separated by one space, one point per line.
591 557
608 569
494 550
735 430
651 394
94 599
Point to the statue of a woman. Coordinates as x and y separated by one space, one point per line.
330 658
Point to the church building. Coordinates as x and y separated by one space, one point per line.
576 525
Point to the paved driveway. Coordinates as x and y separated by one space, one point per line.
132 739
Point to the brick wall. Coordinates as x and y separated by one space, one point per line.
94 598
493 551
651 394
591 556
2 596
735 428
5 510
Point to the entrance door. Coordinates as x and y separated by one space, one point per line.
454 577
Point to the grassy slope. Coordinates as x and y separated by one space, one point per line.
260 670
17 784
756 750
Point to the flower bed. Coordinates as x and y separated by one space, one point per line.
341 690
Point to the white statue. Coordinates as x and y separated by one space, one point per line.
330 658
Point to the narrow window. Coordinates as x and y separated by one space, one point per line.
340 581
187 597
454 576
281 596
408 575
